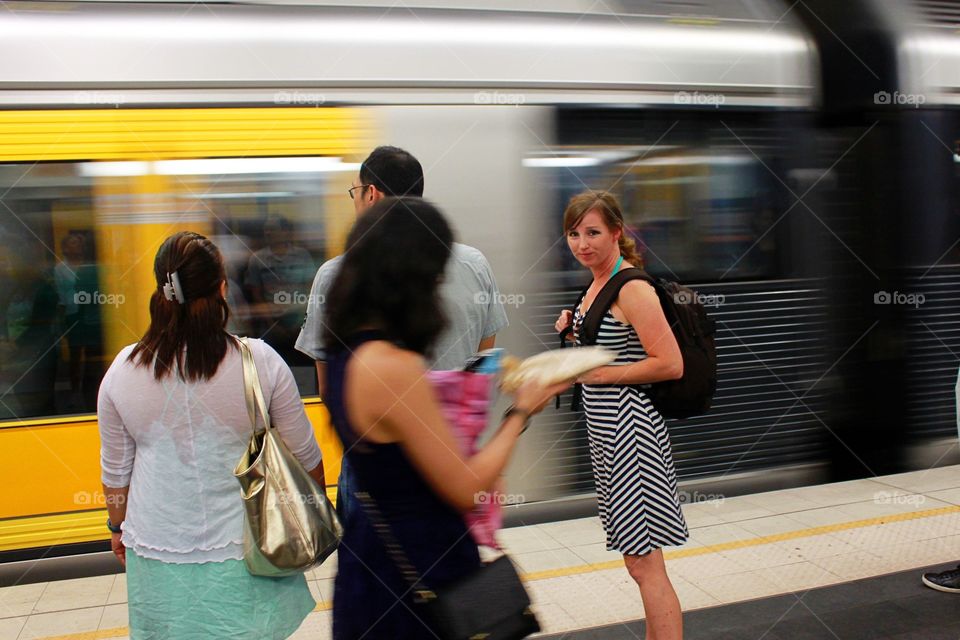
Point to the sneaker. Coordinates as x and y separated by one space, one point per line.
946 581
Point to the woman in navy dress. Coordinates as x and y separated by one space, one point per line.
384 315
629 445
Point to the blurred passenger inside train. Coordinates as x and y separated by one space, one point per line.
173 424
468 291
277 280
65 279
383 322
234 247
28 331
65 272
629 446
78 290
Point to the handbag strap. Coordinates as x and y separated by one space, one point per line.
393 548
252 391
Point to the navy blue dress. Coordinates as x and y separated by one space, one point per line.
371 599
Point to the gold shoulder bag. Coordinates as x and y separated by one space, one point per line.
290 525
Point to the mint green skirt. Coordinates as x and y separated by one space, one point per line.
211 600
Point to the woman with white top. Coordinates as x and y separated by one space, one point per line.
173 424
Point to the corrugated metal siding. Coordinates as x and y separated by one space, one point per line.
933 338
943 13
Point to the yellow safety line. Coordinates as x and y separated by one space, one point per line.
741 544
614 564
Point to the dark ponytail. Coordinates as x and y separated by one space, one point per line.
188 315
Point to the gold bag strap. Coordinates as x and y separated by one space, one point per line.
251 387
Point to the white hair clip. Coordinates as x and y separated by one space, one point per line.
172 289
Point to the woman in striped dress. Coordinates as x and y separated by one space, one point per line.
629 446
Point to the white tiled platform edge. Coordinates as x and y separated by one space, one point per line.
740 548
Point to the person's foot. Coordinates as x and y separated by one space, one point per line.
946 581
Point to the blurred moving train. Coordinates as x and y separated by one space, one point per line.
794 162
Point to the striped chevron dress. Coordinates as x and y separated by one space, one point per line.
630 451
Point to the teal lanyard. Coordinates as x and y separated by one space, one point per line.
616 267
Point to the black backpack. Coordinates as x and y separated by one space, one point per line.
690 395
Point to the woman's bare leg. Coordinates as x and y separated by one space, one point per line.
660 603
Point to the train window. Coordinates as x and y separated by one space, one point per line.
77 242
700 200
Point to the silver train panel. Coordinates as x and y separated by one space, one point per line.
925 39
529 56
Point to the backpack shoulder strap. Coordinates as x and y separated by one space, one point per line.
605 299
566 332
583 294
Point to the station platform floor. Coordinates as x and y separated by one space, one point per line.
751 560
895 606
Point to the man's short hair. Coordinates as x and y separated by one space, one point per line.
393 171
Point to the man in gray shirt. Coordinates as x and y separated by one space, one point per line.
469 292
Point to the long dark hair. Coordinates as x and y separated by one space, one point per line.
188 337
390 275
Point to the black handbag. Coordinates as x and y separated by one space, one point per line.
489 603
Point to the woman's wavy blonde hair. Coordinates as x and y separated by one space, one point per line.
608 207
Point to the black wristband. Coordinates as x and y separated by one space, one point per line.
113 528
520 412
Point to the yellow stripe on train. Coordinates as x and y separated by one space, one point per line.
56 463
155 134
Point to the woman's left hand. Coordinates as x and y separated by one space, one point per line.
118 549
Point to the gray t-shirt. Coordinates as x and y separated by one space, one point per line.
470 299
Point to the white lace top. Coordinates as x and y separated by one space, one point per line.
176 444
